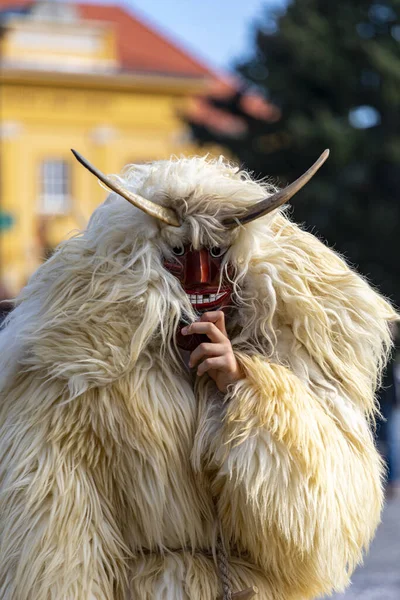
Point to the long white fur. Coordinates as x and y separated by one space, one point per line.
109 457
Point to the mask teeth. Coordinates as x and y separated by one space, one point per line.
204 298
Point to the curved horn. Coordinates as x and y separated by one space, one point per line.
160 212
267 205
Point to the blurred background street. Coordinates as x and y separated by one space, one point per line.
379 577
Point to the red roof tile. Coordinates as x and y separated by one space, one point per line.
4 4
203 112
140 47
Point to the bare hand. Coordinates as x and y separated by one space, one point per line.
219 360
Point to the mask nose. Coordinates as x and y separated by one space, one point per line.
197 267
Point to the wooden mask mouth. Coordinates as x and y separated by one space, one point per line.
203 300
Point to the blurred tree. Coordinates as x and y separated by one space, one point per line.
333 71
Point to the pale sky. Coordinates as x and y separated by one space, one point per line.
215 31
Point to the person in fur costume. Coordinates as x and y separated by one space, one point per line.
120 464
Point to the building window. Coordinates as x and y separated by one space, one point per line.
55 187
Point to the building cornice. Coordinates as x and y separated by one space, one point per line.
138 82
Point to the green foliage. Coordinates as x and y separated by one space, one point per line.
333 70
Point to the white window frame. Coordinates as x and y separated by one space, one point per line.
55 186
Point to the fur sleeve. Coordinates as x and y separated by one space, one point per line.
58 536
297 490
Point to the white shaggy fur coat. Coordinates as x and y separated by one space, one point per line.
110 454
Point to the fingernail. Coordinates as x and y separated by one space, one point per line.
184 330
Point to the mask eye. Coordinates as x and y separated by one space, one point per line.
217 251
178 250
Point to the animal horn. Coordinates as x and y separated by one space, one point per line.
267 205
160 212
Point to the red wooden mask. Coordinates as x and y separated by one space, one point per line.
199 274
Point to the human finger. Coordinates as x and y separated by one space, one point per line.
218 363
208 329
205 349
217 317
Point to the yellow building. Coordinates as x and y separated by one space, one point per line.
89 77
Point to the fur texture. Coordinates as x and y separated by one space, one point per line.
111 454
